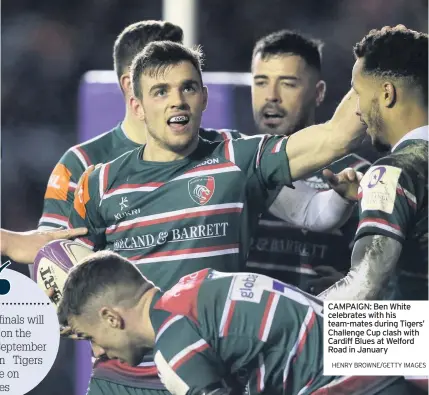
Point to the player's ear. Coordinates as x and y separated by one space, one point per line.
137 107
125 82
320 92
389 94
111 317
205 97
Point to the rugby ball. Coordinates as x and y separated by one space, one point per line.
54 261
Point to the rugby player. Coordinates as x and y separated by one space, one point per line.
128 135
181 203
169 181
390 77
287 87
211 333
22 247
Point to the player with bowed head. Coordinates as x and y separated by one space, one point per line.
265 338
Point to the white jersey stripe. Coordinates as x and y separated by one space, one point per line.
72 185
56 221
231 151
206 172
409 195
334 383
101 182
147 364
226 134
193 174
292 352
165 326
375 224
122 191
270 317
225 312
214 207
303 390
281 268
182 354
279 144
258 154
415 275
85 244
192 255
261 381
80 157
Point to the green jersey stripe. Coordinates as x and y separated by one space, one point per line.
177 215
188 253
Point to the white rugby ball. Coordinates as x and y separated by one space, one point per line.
54 261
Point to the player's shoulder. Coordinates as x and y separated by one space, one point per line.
85 152
119 165
410 158
219 134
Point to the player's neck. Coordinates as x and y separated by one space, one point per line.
409 119
141 322
133 128
156 152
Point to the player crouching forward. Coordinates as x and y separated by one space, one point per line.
210 329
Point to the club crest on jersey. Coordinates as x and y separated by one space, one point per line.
201 189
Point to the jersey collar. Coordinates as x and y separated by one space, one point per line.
420 133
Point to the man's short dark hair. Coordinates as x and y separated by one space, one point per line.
285 42
136 36
396 53
158 56
105 277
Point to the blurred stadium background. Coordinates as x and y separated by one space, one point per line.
49 46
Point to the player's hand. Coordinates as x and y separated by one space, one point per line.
23 247
329 276
346 124
345 183
88 171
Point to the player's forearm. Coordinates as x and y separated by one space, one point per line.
6 238
314 147
374 261
304 207
327 211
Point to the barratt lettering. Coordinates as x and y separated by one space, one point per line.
197 232
200 231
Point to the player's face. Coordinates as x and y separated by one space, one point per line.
368 108
285 93
173 102
110 339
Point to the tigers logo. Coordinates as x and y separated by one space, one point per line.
201 189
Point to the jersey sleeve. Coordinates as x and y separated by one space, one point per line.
263 158
85 211
60 190
186 363
387 202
